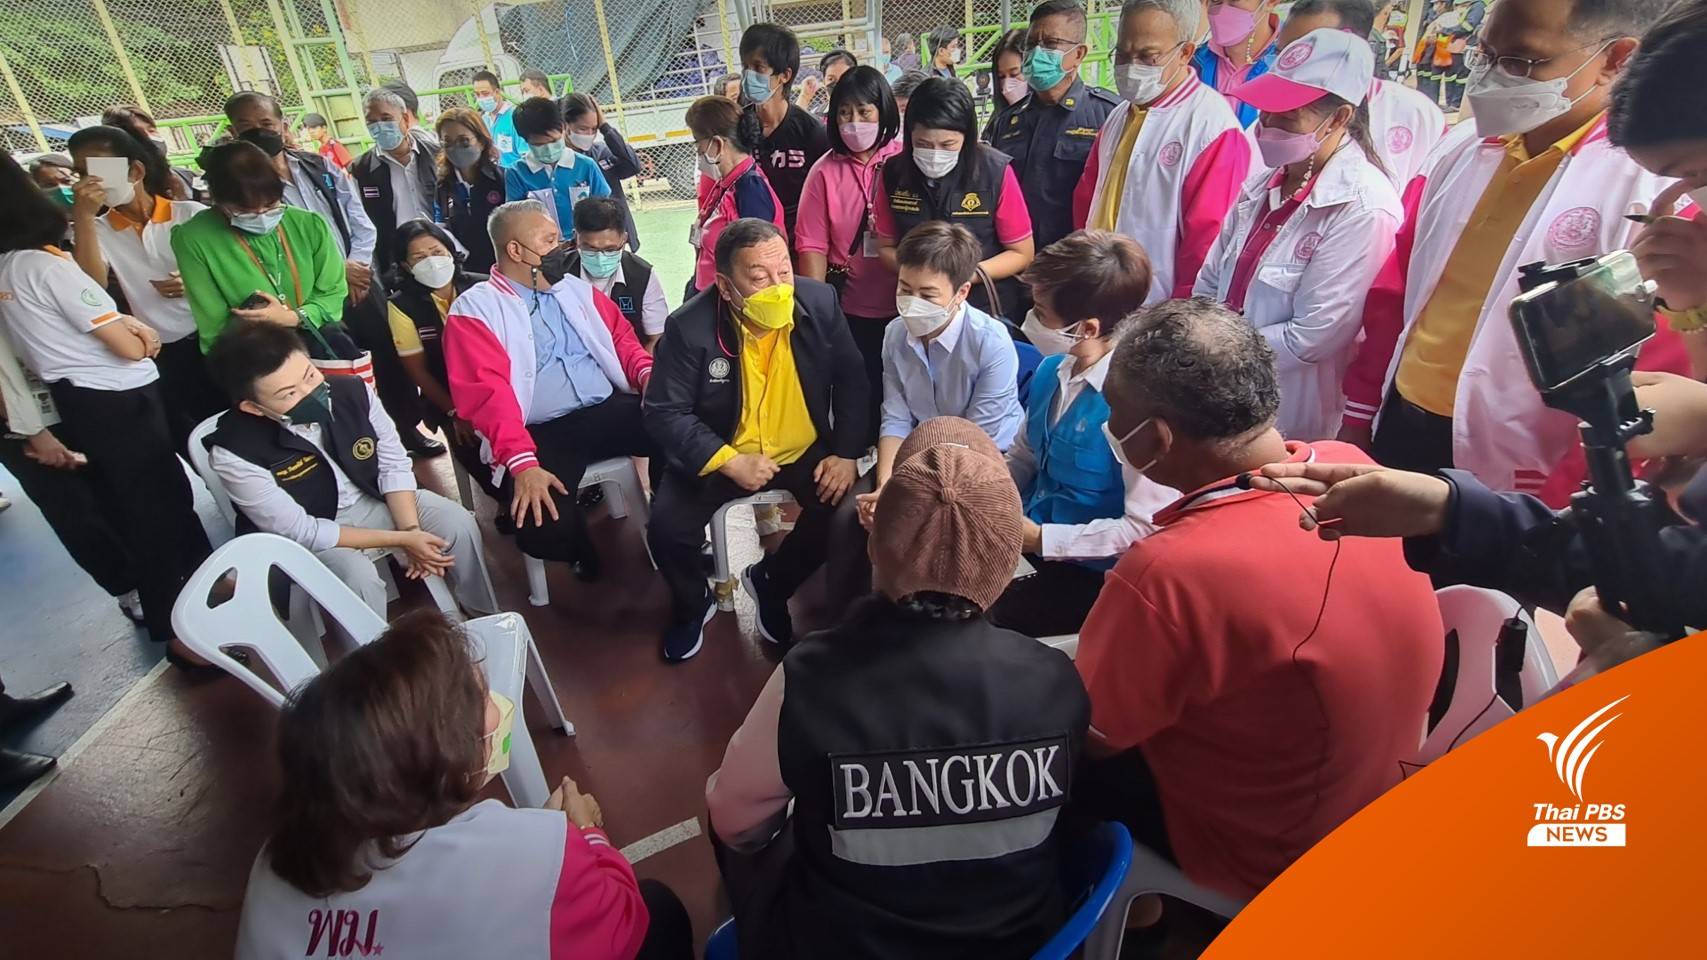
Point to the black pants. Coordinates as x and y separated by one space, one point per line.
683 505
1052 602
132 463
1454 81
85 522
370 328
868 336
1123 789
1411 438
186 388
669 934
566 446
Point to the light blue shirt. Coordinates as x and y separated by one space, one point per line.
970 370
571 180
568 378
503 128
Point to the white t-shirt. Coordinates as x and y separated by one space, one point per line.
51 309
140 252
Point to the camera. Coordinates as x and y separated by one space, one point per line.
1579 326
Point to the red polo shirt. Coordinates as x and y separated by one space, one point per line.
1260 743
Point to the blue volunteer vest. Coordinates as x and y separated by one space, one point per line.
1078 480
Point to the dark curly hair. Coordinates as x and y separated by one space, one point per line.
1199 366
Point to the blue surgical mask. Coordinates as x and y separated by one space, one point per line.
486 104
755 86
1042 68
600 263
387 134
547 153
259 224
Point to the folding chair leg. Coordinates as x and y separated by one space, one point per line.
464 488
538 593
720 559
540 682
525 778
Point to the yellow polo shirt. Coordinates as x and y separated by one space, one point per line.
404 336
1114 185
1440 339
774 419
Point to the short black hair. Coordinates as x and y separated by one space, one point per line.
948 248
1648 106
577 105
536 77
410 100
241 174
1071 9
1612 19
941 37
537 115
313 120
743 233
777 45
408 232
1355 16
863 85
942 104
836 56
123 143
33 219
484 76
1199 366
247 350
242 98
594 214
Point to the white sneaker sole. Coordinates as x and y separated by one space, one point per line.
758 621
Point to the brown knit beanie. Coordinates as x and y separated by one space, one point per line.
948 520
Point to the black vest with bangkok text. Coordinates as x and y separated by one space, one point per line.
930 763
967 198
297 465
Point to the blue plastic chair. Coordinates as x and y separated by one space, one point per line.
1030 358
1099 869
721 946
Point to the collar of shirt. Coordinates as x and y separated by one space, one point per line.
729 178
119 220
1227 491
567 161
1072 384
604 285
1516 150
408 168
948 339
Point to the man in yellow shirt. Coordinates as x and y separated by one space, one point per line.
757 385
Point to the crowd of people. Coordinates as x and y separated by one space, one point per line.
1085 368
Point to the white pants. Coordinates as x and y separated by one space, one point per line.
467 577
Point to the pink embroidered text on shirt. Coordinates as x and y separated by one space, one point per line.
339 929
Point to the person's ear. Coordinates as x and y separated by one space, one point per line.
1164 436
964 291
1343 116
251 407
1617 58
1091 328
138 172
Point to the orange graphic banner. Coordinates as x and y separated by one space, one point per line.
1577 828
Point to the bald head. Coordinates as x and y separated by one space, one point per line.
521 226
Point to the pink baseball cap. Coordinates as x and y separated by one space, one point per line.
1321 61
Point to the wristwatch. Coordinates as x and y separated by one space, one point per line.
1686 321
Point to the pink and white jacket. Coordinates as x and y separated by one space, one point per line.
492 882
1188 165
1501 432
489 357
1405 127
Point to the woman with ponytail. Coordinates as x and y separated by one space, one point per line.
731 184
1312 228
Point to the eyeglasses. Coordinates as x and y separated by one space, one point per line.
1056 44
1476 58
1147 59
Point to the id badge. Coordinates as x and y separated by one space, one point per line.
869 248
696 234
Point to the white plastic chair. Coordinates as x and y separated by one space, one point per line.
1477 619
1067 644
502 642
720 541
1150 874
621 481
302 614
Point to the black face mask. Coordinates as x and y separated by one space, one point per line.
269 140
554 266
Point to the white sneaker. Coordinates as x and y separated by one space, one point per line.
131 605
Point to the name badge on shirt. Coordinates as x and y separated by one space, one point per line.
869 247
370 193
696 234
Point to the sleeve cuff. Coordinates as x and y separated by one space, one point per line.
325 535
723 455
397 483
1056 537
522 462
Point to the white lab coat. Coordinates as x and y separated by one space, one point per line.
1306 295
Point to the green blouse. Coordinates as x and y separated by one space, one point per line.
300 263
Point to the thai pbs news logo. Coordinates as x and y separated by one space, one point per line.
1581 824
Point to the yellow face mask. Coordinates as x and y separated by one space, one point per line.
771 308
498 741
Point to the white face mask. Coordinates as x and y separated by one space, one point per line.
1505 105
1048 340
921 316
583 141
707 166
433 272
1140 83
1117 444
935 164
119 192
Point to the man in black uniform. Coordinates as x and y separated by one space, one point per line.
793 139
1049 133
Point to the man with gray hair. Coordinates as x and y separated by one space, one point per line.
397 175
1259 687
550 373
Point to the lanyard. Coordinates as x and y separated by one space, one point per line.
717 198
290 261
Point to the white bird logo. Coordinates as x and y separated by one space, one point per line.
1571 755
